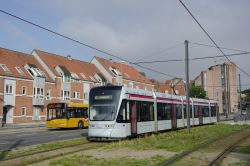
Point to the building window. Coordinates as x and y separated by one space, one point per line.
4 67
65 95
24 90
86 95
76 95
131 85
9 89
23 111
48 95
38 93
19 70
66 79
114 71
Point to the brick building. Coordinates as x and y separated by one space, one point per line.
73 78
29 82
23 82
174 87
220 83
122 74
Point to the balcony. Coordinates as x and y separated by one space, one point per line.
38 100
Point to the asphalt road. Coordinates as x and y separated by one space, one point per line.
13 138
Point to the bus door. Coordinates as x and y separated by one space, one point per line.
200 115
173 117
133 118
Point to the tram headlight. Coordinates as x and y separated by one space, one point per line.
109 126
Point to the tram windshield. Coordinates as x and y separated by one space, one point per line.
103 103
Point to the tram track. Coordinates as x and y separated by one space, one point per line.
178 158
222 155
49 154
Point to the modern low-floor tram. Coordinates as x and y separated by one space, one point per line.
117 112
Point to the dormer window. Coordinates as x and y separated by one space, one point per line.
126 75
75 76
34 70
19 70
114 70
92 78
99 77
66 79
64 72
83 76
4 67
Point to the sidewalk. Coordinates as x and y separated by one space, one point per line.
23 125
243 122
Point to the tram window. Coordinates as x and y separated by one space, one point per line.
123 115
196 111
205 111
163 111
213 111
178 111
145 111
184 110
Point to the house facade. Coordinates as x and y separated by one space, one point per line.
220 84
73 78
29 82
23 82
174 87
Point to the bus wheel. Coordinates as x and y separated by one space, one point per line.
80 125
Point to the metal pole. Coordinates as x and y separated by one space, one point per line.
187 84
240 95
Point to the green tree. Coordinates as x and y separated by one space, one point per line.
197 92
247 93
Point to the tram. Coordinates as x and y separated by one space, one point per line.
117 112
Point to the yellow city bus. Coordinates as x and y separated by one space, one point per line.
67 115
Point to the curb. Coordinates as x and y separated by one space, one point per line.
18 126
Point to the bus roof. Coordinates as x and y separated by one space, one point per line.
77 105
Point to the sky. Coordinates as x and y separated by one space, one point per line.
135 30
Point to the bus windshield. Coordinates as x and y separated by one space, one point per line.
56 111
103 103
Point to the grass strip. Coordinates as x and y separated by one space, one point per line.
24 151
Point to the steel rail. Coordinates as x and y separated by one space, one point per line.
222 155
185 153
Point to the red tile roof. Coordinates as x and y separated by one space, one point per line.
13 59
128 72
166 86
73 65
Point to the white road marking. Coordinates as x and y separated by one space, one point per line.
4 143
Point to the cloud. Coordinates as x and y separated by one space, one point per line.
140 29
17 34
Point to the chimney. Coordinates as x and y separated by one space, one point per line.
69 57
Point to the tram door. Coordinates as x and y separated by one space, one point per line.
200 115
133 118
174 120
